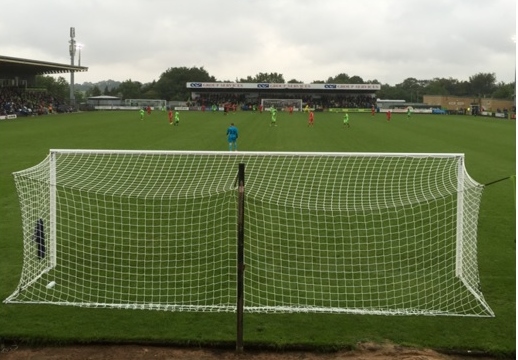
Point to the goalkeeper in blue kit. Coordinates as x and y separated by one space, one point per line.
232 135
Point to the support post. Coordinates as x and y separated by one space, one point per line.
240 255
52 235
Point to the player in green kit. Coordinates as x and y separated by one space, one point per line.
408 112
273 111
346 120
176 118
142 112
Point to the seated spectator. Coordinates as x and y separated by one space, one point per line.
26 102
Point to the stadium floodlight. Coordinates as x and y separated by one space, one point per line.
79 47
358 233
72 51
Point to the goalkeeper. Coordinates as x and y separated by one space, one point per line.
232 135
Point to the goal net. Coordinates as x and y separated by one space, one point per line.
358 233
155 104
282 104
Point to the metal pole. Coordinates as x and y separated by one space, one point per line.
72 50
240 255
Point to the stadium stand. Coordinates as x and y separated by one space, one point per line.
18 95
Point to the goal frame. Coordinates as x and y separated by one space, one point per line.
156 104
462 177
282 104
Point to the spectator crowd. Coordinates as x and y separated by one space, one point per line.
30 102
317 101
27 102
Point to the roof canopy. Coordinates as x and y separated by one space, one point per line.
18 66
103 97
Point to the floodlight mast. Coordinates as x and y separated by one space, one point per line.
72 49
79 46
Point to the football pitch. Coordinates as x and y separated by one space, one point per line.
489 146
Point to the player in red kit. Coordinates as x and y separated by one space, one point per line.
311 118
389 114
170 115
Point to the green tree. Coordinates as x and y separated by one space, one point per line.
61 88
267 78
57 87
356 80
79 96
441 86
339 79
96 91
391 92
436 89
129 89
483 85
150 91
44 82
171 84
463 88
412 89
248 79
505 91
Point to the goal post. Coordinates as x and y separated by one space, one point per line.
282 104
357 233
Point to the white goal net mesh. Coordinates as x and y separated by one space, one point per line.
282 104
330 232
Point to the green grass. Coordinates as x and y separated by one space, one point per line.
489 145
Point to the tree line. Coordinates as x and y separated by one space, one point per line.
171 86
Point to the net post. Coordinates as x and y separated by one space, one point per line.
459 241
52 239
240 255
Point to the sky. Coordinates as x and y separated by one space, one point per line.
306 40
